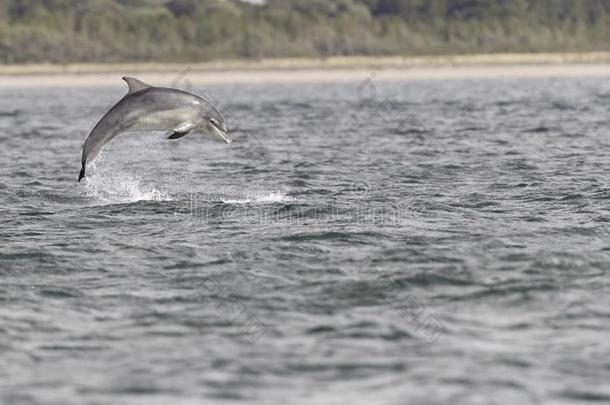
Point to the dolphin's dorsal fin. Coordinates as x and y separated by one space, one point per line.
135 84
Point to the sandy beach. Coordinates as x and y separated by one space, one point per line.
476 67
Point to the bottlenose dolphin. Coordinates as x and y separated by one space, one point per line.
148 108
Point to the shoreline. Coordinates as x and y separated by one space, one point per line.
337 62
488 66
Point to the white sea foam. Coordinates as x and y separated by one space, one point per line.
273 197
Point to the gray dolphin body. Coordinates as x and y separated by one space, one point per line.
148 108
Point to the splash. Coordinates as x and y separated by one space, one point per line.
120 188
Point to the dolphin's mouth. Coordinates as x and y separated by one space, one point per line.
221 134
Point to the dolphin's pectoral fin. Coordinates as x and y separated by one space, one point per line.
177 135
181 130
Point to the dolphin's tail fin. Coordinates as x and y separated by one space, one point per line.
82 173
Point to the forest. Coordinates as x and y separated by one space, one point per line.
110 31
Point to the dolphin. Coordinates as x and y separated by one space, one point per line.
149 108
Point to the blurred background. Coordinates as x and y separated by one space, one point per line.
112 31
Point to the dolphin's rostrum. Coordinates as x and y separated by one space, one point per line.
148 108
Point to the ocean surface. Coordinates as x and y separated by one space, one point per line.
423 242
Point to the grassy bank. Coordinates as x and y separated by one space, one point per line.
167 31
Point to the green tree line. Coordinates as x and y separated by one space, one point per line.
63 31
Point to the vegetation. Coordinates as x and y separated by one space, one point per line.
62 31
